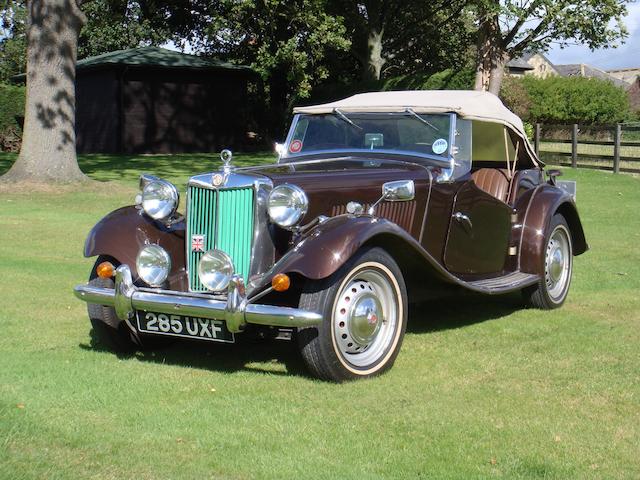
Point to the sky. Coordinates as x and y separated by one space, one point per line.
625 56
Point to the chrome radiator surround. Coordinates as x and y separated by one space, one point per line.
262 246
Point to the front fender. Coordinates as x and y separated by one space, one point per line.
546 202
122 233
329 245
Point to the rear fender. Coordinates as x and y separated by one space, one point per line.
123 232
546 202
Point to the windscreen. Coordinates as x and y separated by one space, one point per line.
403 133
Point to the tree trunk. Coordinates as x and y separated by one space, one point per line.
483 68
375 60
497 74
48 152
491 59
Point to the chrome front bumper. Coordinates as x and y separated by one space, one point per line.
236 311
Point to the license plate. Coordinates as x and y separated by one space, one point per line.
182 326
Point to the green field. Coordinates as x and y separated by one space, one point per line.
481 389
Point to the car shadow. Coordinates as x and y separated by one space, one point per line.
461 310
267 356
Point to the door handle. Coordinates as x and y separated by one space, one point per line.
464 220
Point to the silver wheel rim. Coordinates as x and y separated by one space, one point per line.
365 317
557 269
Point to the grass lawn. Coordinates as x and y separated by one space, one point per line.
481 389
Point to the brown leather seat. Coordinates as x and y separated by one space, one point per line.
494 181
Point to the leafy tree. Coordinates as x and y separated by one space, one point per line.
13 44
53 28
287 42
117 25
507 28
404 37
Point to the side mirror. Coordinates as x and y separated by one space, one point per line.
399 191
553 174
279 149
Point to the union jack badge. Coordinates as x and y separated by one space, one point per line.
197 243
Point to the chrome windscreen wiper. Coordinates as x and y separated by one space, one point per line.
342 116
410 111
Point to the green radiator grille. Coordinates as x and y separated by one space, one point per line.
225 219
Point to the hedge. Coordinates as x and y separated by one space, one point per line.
566 100
12 99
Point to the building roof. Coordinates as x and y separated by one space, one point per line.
521 62
630 69
466 103
156 57
150 57
587 71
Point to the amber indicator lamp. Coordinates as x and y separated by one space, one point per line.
105 270
281 282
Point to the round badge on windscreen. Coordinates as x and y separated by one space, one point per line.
439 146
295 146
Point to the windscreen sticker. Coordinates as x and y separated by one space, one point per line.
439 146
295 146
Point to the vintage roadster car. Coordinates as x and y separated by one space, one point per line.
375 200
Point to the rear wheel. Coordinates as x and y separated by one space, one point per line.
551 291
364 306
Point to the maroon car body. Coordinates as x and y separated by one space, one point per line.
446 205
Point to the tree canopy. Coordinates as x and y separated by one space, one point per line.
13 43
508 28
297 47
396 37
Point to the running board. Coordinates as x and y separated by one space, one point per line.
507 283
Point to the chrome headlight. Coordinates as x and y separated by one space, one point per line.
215 270
153 265
159 199
287 205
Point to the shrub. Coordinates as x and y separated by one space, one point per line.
566 100
11 108
515 96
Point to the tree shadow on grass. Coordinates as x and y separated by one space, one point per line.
268 356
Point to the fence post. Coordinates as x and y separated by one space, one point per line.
616 148
536 140
574 146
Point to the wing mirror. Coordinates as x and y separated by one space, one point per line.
396 191
279 149
399 191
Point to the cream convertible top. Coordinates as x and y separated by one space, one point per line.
468 104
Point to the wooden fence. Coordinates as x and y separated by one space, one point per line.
607 147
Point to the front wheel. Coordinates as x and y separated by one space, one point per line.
108 330
551 291
364 307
